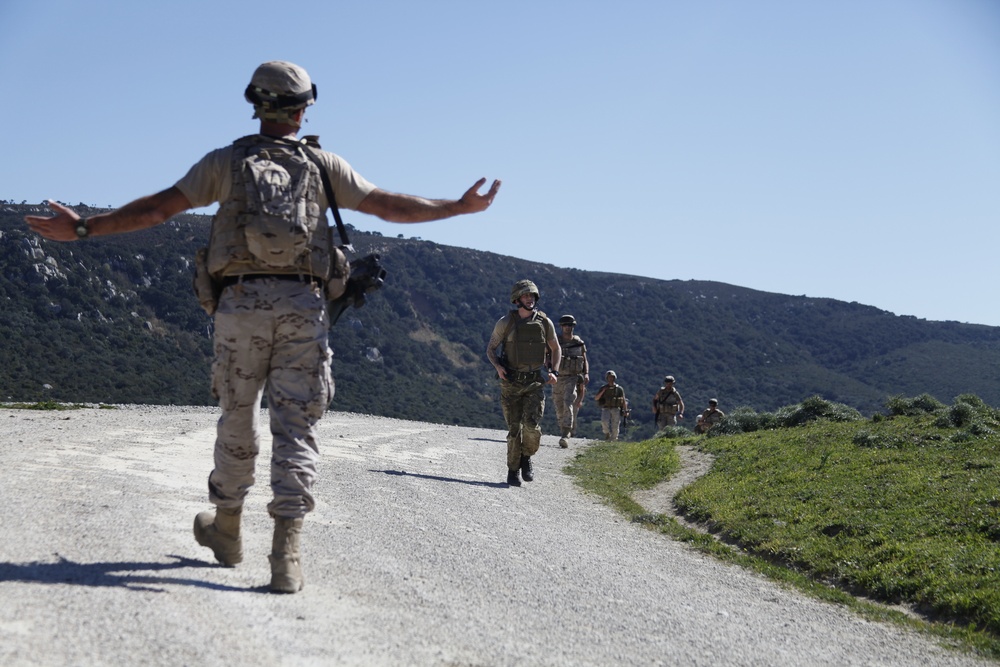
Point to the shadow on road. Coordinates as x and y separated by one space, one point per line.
436 478
66 571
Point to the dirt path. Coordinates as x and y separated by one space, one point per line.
417 554
660 498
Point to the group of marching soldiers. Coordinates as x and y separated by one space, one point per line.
524 342
568 393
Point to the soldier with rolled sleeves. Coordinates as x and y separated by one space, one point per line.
574 374
517 348
668 406
269 258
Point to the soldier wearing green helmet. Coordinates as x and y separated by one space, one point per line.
518 347
268 277
574 374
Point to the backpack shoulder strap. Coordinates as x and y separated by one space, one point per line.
311 144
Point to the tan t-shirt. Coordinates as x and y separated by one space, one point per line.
210 180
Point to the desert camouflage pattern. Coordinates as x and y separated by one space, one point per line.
610 422
668 404
708 419
574 353
270 336
565 392
229 251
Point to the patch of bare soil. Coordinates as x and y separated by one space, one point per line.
660 498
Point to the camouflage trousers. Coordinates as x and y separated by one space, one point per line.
523 406
270 335
564 395
610 421
665 419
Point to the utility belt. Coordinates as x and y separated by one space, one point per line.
525 377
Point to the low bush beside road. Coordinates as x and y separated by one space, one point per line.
902 508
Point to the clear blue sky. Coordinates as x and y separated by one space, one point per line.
846 149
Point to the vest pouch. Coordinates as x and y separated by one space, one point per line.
571 365
340 271
206 288
277 242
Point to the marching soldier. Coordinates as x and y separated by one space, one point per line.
518 346
668 406
574 374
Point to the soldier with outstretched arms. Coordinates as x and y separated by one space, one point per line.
269 270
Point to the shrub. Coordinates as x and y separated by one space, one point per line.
814 408
912 407
744 420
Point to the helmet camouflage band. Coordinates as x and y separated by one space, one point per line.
567 320
278 90
522 287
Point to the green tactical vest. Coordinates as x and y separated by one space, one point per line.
524 345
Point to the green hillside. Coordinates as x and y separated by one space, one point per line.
114 320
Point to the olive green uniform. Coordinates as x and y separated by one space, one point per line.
524 343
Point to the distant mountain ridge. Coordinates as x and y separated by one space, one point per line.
114 320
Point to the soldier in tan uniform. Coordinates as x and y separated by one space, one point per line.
269 255
574 374
517 348
710 417
668 406
614 405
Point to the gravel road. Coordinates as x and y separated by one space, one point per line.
417 554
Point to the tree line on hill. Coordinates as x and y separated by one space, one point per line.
114 320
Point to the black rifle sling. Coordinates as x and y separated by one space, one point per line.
332 200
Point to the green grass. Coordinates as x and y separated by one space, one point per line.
52 405
41 405
898 509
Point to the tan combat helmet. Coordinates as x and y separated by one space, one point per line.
279 89
522 287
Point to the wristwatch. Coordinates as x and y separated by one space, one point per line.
82 229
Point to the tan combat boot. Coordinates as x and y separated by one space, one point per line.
220 532
286 567
563 442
